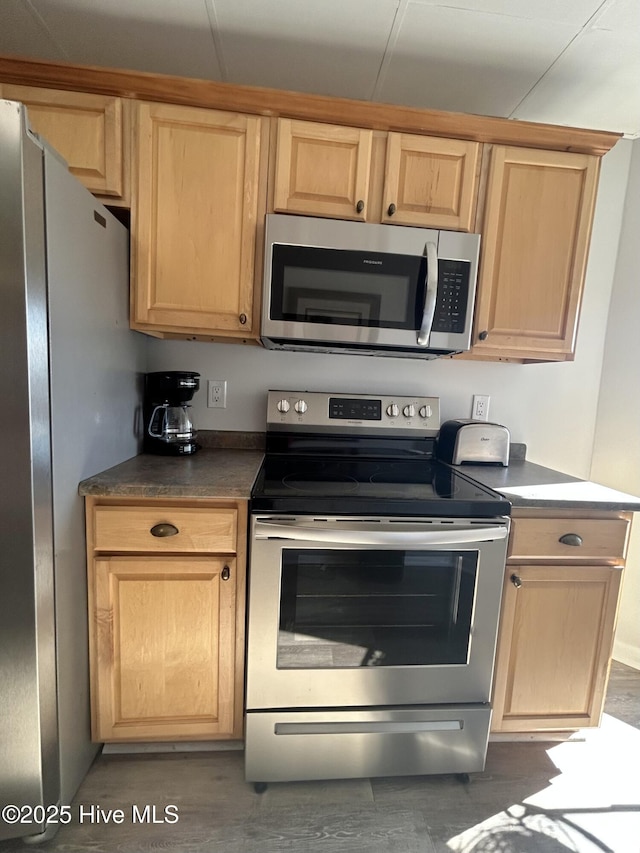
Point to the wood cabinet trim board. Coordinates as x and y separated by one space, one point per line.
203 93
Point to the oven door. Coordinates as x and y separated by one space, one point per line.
360 612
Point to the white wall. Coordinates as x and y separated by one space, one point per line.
616 456
550 407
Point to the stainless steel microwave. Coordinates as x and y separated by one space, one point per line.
355 287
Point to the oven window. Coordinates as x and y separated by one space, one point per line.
349 608
348 288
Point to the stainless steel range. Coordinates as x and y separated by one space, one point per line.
374 595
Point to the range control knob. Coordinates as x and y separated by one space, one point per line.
409 411
393 411
300 407
283 406
425 412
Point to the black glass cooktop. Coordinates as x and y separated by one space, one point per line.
345 486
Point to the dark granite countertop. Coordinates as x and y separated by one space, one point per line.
228 464
210 473
526 484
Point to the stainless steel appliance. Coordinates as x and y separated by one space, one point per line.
69 368
374 595
169 428
333 286
461 441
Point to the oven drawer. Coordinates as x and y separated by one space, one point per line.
578 538
295 745
148 529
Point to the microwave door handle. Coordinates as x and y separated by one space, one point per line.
430 296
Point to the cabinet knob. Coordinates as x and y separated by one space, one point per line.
571 539
360 206
243 319
226 573
483 335
516 581
164 530
391 209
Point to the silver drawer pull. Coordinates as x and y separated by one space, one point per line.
378 727
516 581
164 530
571 539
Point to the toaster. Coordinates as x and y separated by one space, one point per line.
473 441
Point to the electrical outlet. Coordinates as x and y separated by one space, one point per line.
217 393
480 407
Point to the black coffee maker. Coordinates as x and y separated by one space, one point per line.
168 426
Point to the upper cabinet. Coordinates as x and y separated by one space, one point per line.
535 240
196 213
209 159
430 182
334 171
89 131
322 169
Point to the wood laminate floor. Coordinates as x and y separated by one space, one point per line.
578 795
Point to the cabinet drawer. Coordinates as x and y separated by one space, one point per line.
129 529
594 539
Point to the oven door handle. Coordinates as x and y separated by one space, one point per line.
265 529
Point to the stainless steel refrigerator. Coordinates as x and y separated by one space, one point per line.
70 373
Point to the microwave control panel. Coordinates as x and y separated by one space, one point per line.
453 296
314 411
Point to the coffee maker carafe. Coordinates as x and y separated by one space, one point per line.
168 426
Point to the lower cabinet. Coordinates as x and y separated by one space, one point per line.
166 598
559 607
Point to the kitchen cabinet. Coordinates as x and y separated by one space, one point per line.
166 591
559 605
322 169
197 216
535 239
206 173
90 131
336 171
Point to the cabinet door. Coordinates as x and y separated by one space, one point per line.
322 169
194 220
554 647
537 225
164 634
87 130
430 182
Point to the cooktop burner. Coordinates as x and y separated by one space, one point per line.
361 456
337 483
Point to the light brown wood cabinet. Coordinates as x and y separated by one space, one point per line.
535 240
90 131
203 177
559 606
166 618
198 209
334 171
322 169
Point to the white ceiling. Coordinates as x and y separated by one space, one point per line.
570 62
